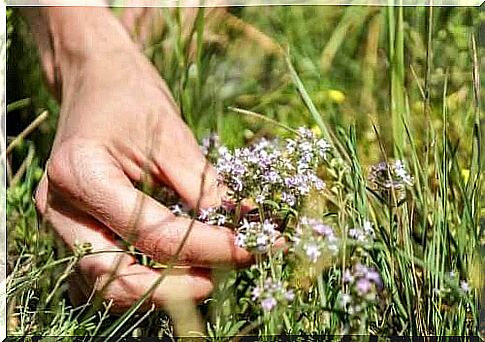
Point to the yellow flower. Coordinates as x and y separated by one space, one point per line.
316 130
336 96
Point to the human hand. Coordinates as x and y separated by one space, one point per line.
118 125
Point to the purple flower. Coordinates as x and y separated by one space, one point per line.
318 226
401 172
362 234
317 182
374 276
256 237
269 227
204 214
272 177
332 244
322 147
312 251
268 303
363 286
306 146
305 133
347 277
368 227
212 216
289 295
290 145
290 182
303 165
323 229
288 169
362 282
390 175
271 294
176 209
220 220
256 293
210 142
288 198
360 270
262 240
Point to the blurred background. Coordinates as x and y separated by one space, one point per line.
347 57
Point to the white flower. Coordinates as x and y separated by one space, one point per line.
464 286
269 227
240 240
345 299
312 251
259 199
368 227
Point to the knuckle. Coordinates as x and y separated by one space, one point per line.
60 170
40 197
71 166
165 246
63 160
57 167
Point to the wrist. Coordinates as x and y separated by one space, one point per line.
76 36
81 33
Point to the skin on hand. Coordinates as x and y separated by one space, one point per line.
118 125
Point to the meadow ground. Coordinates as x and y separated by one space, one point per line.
380 85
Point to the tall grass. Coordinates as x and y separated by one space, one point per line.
426 242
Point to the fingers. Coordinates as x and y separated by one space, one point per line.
172 156
133 281
187 170
97 186
125 285
114 274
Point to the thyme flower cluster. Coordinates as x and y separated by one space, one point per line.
256 237
313 238
277 175
272 294
275 170
363 284
212 216
363 234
